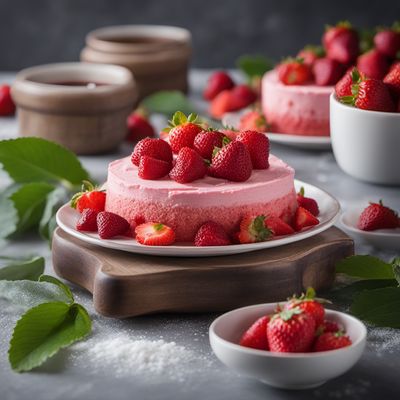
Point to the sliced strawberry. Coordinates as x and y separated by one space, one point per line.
111 225
154 234
258 146
217 82
89 197
308 203
151 168
211 234
256 336
278 227
206 141
88 221
303 219
189 166
156 148
253 229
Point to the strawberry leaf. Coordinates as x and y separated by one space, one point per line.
365 267
17 269
61 285
8 217
167 102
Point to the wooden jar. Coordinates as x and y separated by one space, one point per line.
157 56
81 106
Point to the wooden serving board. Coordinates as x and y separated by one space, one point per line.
126 284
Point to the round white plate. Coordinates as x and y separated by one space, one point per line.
329 211
381 238
303 142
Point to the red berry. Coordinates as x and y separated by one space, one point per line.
89 197
308 203
293 72
303 219
256 336
291 331
188 167
139 127
211 234
110 225
232 162
253 229
392 80
7 106
372 94
241 97
221 104
328 326
331 341
378 216
373 64
327 71
217 82
258 146
206 141
151 168
343 87
253 121
278 227
156 148
387 42
88 221
154 234
310 54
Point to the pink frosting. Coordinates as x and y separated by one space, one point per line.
263 186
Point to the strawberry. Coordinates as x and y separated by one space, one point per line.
258 146
189 166
7 106
221 104
303 219
253 121
378 216
155 148
232 162
387 42
154 234
151 168
255 337
230 132
308 203
110 225
211 234
331 341
182 131
327 71
253 229
241 97
373 64
217 82
139 126
343 87
341 43
87 221
328 326
278 227
291 331
293 72
206 141
89 197
309 54
308 304
392 80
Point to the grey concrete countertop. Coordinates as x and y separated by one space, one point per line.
71 375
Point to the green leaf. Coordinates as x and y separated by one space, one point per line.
255 65
61 285
379 307
366 267
33 159
8 217
29 201
43 330
167 102
14 270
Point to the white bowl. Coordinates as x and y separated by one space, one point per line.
366 144
388 239
283 370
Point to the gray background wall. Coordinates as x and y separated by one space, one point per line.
40 31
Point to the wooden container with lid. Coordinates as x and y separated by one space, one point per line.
157 56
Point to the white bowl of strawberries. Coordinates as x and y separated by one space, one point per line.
299 347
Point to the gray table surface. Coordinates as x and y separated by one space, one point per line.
68 376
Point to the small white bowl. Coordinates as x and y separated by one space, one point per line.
283 370
388 239
365 143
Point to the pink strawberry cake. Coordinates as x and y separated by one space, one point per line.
295 109
185 207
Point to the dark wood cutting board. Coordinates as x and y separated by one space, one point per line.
126 284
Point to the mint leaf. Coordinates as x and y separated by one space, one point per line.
43 330
33 159
255 65
379 307
366 267
14 270
167 102
61 285
8 217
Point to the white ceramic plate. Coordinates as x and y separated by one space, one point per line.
382 238
329 211
302 142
